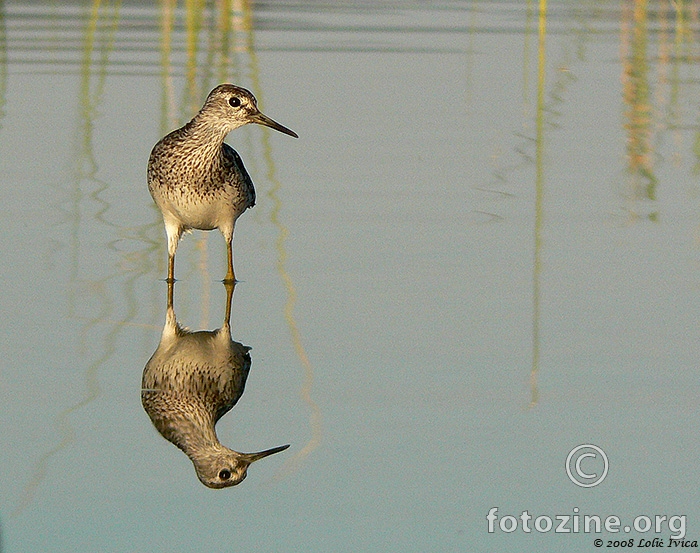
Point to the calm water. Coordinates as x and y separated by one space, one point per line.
482 252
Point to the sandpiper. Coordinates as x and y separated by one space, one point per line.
197 180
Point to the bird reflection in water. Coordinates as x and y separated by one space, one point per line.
190 382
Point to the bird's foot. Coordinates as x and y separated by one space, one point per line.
230 277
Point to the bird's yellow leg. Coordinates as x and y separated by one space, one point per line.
230 276
171 285
230 287
171 268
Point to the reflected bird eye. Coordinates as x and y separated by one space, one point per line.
225 474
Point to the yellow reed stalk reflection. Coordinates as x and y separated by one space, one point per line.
167 21
315 417
292 464
98 38
636 95
652 99
539 197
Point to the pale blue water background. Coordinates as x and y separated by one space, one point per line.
393 246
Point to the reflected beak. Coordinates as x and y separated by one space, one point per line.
252 457
261 119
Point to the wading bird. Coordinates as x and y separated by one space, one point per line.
197 180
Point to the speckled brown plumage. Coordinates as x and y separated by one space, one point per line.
196 179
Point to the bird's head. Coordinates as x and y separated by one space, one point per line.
225 467
232 107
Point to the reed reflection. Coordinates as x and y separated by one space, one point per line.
191 381
636 82
3 63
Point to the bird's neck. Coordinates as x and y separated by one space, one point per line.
193 437
205 138
190 425
202 125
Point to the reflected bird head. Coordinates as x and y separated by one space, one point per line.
226 467
231 107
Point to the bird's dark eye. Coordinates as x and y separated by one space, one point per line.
225 474
234 101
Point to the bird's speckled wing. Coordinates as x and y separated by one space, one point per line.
234 161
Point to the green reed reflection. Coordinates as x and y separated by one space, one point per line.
652 95
193 25
539 198
100 27
167 21
315 418
637 96
654 90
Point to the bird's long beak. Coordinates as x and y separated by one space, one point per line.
252 457
261 119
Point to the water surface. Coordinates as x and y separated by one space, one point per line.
481 252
